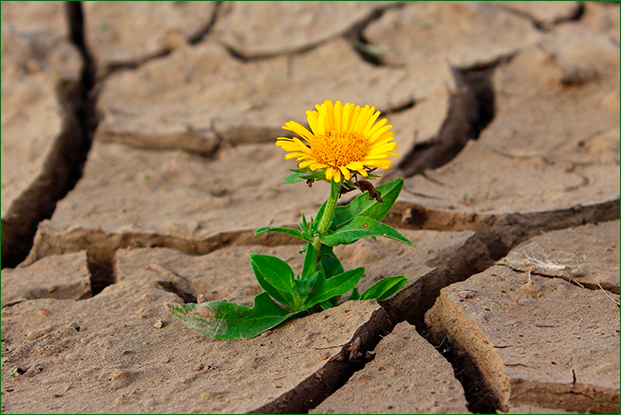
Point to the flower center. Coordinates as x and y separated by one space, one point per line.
339 148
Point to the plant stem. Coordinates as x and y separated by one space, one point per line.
325 220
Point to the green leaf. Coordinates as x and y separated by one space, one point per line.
335 286
329 262
310 261
230 321
320 212
362 227
326 304
384 288
363 206
355 295
275 276
300 175
288 231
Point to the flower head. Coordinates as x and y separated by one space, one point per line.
342 139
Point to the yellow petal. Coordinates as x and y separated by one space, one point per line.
370 123
329 173
329 115
296 154
363 120
355 165
376 127
379 133
337 175
312 117
299 129
346 173
338 115
306 163
347 115
317 166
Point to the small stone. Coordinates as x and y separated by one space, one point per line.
126 352
42 313
158 324
200 299
199 367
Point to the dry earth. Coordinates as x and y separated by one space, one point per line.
138 158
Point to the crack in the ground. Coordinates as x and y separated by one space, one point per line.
360 44
101 247
501 232
353 35
199 36
481 399
540 25
352 358
196 38
63 167
470 111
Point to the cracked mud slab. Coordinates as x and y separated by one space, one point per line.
57 276
465 34
556 136
133 197
538 340
198 97
156 28
121 351
603 18
40 68
544 14
259 29
226 275
559 99
408 375
45 18
506 205
587 255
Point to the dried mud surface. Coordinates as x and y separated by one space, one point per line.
138 143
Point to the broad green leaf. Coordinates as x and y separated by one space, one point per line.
310 262
275 276
355 295
320 212
363 206
335 286
230 321
288 231
384 288
362 227
329 262
300 175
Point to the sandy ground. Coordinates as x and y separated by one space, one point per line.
138 158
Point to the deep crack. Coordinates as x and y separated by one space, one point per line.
355 35
471 109
63 167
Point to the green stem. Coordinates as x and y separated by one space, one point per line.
324 223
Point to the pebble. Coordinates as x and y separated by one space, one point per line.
199 367
158 324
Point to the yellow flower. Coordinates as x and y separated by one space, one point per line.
343 138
